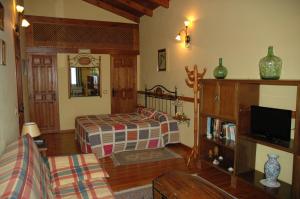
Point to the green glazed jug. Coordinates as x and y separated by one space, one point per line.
270 66
220 71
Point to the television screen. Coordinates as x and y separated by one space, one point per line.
271 123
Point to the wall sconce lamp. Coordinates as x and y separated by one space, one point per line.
19 8
20 19
187 37
25 23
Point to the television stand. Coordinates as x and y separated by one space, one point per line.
230 101
277 144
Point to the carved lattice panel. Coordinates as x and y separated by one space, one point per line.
93 35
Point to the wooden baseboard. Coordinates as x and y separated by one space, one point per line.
185 146
67 131
59 131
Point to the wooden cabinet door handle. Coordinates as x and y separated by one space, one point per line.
113 92
216 98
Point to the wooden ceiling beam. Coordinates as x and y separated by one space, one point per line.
136 6
106 6
164 3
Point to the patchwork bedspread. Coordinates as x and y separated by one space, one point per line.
107 134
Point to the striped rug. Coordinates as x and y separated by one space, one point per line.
143 156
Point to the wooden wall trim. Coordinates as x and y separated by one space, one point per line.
191 99
75 50
68 35
67 131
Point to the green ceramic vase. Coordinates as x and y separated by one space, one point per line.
270 66
220 71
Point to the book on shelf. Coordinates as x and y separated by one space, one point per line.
229 131
208 128
220 129
217 125
213 127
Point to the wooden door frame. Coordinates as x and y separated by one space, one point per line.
18 63
29 60
111 82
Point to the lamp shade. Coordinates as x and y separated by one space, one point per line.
32 129
25 23
178 37
187 23
19 8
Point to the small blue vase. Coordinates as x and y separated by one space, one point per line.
272 170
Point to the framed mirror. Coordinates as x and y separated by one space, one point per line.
84 76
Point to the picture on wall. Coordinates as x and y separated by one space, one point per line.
162 60
2 52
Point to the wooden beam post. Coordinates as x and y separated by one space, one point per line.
136 6
164 3
106 6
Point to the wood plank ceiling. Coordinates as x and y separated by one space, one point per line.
130 9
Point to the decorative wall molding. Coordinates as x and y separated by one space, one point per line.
191 99
69 35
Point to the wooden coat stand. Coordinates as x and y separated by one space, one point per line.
193 82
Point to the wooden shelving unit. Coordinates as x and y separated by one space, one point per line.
287 147
219 117
230 101
230 144
223 165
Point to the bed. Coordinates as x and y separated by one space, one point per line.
150 127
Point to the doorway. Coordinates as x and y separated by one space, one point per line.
123 83
43 92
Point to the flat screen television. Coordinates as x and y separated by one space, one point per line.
271 123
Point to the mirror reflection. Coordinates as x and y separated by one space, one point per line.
84 75
85 81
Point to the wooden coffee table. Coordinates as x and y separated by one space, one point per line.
175 184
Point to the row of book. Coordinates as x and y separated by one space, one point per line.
220 129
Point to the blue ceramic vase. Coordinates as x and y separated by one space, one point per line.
272 169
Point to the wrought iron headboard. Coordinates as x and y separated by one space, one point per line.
161 98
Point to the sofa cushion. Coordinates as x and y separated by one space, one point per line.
74 168
84 189
69 175
58 162
22 171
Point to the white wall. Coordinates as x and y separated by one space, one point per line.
75 9
9 128
70 108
